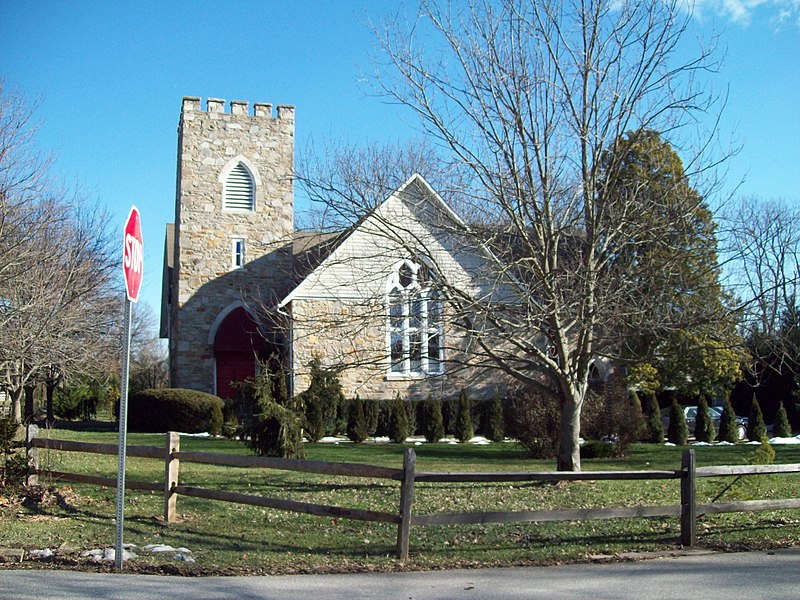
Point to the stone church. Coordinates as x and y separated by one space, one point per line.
242 288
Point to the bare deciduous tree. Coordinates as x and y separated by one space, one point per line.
528 99
58 312
762 245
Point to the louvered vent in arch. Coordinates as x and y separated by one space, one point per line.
239 189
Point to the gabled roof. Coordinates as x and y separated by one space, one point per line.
313 252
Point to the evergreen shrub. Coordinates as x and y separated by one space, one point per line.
781 427
411 412
433 423
756 429
677 432
463 429
655 428
728 429
371 413
598 449
703 423
495 429
272 429
324 403
398 421
357 421
640 429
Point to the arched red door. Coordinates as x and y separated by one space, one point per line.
236 347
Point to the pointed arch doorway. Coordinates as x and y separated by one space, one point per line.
238 345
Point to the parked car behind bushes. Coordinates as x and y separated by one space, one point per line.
715 412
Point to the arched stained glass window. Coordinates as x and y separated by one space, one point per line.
415 323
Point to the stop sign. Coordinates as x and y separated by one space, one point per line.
133 255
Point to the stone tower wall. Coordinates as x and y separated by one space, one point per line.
204 283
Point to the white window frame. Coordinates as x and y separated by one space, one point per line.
402 326
238 253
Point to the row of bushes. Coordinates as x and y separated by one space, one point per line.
272 423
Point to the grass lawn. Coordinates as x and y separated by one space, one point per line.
237 539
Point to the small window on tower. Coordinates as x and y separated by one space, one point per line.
237 254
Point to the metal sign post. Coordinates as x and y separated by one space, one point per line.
123 432
132 267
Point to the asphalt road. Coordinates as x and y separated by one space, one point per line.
706 576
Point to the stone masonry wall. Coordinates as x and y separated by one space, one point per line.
354 335
203 282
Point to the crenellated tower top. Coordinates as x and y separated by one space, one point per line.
237 107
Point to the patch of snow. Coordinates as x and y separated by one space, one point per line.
668 444
785 440
725 444
44 553
166 548
184 558
479 440
753 443
107 555
203 434
701 444
160 548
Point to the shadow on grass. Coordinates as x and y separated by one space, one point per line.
85 426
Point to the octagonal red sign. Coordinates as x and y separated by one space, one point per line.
133 255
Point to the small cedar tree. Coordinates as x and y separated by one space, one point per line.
398 421
781 427
756 429
433 423
315 415
639 423
356 421
655 427
371 412
496 430
728 430
703 423
677 432
411 412
463 426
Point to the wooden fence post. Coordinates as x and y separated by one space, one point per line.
688 499
32 455
406 498
171 475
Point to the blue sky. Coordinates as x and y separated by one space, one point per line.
110 77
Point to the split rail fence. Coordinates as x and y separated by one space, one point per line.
688 509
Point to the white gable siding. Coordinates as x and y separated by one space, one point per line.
404 225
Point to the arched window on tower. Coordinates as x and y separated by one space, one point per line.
415 328
239 190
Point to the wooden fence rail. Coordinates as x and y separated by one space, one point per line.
688 509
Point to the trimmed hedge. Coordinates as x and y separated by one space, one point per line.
599 449
175 409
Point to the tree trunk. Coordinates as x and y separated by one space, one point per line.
16 405
569 450
51 386
29 389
